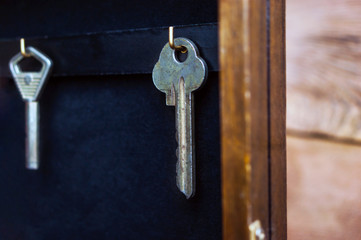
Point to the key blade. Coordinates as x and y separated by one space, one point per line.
185 151
32 135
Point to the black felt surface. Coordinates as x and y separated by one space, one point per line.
36 18
108 163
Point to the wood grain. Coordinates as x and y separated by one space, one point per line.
323 68
323 189
235 137
252 129
277 90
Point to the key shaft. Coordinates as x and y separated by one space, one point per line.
32 135
185 152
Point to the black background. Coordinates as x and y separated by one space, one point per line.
108 141
73 17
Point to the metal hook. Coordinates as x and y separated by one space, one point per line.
22 48
171 42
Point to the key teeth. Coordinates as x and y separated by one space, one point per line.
188 194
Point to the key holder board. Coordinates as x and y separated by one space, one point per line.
108 139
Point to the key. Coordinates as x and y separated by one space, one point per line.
30 85
178 80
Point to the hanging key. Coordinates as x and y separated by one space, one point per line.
178 79
30 85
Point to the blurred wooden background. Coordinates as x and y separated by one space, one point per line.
324 119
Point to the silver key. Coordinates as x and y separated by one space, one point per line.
30 85
178 80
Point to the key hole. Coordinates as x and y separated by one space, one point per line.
180 56
30 65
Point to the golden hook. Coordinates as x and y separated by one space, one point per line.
171 42
22 48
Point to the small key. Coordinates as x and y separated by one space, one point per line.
178 80
30 85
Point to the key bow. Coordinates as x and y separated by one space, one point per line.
30 84
168 70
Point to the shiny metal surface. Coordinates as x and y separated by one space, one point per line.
32 135
178 80
22 48
30 85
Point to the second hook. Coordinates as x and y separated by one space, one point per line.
22 48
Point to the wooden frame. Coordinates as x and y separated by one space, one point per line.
252 92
